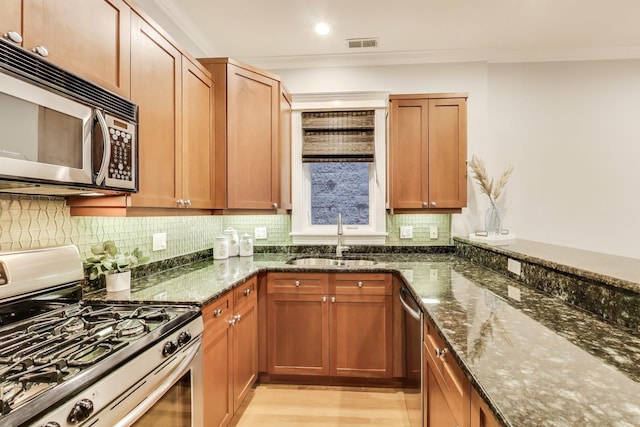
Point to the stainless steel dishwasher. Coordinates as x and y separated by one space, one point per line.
413 351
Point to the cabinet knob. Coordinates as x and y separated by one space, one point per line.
217 312
441 352
297 283
237 318
41 50
232 321
433 203
333 299
425 204
247 292
180 202
275 206
13 36
324 298
187 202
360 284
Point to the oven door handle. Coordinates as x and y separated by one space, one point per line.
161 389
413 313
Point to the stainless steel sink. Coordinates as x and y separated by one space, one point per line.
324 262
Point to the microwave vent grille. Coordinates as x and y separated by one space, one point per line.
23 64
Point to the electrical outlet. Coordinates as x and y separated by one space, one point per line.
433 231
514 266
159 241
406 232
260 232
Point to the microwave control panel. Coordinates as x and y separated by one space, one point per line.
122 167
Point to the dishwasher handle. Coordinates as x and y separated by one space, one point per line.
413 313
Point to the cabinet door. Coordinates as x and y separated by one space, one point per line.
437 411
481 415
197 137
409 153
217 345
361 336
447 172
245 341
89 38
156 86
11 16
298 331
252 139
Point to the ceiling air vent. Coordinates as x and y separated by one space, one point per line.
360 43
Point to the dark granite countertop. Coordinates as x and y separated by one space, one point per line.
614 270
536 360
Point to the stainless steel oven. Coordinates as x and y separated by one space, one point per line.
413 322
60 131
64 362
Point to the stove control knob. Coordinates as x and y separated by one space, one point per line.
184 338
80 411
51 424
169 348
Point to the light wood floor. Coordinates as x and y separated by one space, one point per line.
284 405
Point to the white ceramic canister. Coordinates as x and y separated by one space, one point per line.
220 247
246 245
232 239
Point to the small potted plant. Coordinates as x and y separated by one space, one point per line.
115 266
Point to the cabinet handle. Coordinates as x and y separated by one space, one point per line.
275 206
324 298
237 318
232 321
425 204
217 312
187 202
441 352
247 292
360 283
333 299
433 203
41 50
13 36
180 202
297 283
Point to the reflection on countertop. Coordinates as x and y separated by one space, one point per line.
535 359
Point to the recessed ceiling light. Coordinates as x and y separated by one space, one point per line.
322 28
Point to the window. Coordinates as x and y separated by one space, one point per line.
322 189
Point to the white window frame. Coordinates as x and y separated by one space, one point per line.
302 231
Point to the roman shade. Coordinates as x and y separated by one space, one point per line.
338 136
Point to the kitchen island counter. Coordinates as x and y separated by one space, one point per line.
535 359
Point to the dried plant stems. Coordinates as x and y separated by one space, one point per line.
488 187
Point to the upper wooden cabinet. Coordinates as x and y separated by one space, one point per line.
175 132
427 152
247 126
88 38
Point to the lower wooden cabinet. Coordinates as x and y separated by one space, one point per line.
446 389
329 324
230 347
481 415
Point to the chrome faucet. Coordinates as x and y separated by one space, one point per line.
339 246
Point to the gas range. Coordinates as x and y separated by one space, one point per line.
54 347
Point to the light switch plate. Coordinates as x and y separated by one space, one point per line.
406 232
260 232
159 241
433 231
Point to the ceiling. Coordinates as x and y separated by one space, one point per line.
279 33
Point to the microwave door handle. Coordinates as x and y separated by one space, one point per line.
106 148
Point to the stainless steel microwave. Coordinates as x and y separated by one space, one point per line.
61 134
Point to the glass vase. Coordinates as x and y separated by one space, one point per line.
493 220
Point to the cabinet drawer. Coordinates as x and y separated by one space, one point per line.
218 312
298 283
454 383
361 284
246 293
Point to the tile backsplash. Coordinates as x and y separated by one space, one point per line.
31 222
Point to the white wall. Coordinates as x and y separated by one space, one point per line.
570 129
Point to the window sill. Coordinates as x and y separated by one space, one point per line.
371 238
